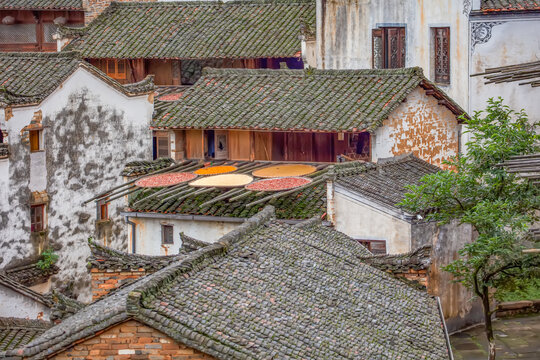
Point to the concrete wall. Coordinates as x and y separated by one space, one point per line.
458 307
507 41
362 221
148 233
344 35
421 126
17 305
90 131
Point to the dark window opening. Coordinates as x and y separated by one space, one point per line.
103 210
388 48
167 235
35 140
37 213
376 247
441 54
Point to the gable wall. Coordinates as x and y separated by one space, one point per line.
15 304
131 340
90 131
421 126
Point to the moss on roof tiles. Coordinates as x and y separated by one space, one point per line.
316 100
41 4
196 30
509 5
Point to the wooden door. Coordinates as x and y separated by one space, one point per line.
194 144
239 144
262 144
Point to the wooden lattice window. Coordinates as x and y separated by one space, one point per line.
162 147
441 54
37 214
116 69
167 234
388 47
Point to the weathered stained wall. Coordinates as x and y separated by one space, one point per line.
362 221
513 40
14 304
90 131
131 340
421 126
446 240
344 35
148 233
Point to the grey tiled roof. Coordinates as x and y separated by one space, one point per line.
196 30
23 290
105 258
30 274
270 290
41 4
143 167
312 100
27 78
385 182
16 332
418 259
509 5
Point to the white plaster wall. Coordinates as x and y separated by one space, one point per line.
512 42
361 221
344 37
148 233
38 171
14 304
91 131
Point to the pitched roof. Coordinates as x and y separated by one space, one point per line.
269 290
418 259
105 258
384 183
315 100
509 5
27 78
30 274
23 290
237 203
143 167
15 332
196 30
41 4
525 73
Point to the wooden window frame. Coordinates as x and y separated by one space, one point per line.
105 66
35 138
439 78
35 225
161 135
164 234
103 210
385 34
369 245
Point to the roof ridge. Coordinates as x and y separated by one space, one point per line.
74 55
403 158
207 3
311 71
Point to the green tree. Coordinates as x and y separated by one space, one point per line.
499 205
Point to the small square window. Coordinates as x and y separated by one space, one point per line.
35 140
103 210
167 236
37 214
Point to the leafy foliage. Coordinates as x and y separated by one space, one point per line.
499 205
48 258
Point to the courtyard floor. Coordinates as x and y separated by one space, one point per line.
516 338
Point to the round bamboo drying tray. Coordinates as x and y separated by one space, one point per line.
278 184
285 170
163 180
215 170
223 181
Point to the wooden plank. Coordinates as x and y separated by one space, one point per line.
262 145
278 146
162 71
323 149
239 145
300 147
194 144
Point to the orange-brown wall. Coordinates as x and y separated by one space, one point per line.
131 340
104 281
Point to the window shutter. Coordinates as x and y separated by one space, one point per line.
441 37
395 48
167 234
377 49
34 140
162 142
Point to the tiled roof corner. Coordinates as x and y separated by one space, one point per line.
190 244
41 5
105 258
263 99
17 332
24 290
143 167
384 183
196 30
30 274
418 259
509 5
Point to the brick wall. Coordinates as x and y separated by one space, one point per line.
92 8
418 276
103 281
131 340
